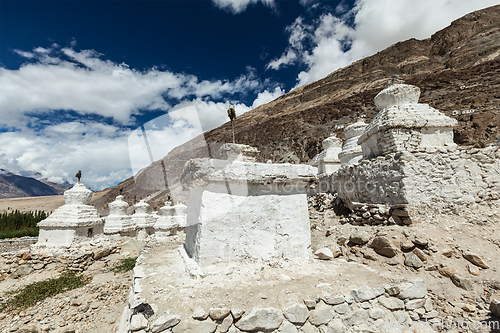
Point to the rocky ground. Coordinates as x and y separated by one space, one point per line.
95 307
456 256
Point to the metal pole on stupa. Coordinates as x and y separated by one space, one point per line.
231 113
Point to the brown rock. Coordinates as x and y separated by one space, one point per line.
475 259
383 246
420 254
218 313
448 271
473 270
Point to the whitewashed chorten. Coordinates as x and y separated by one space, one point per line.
75 221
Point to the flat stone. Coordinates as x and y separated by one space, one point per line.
473 270
218 313
476 260
237 313
200 314
462 282
391 303
191 326
138 322
297 313
359 238
308 328
334 300
413 261
376 313
336 326
414 304
412 290
289 328
366 293
383 246
420 254
391 290
226 324
164 322
310 303
356 318
341 308
321 315
324 253
261 319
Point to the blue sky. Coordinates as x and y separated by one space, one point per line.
78 77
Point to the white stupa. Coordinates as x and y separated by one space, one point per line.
351 151
118 222
143 221
403 124
328 161
170 220
75 221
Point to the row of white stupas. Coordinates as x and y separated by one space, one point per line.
399 115
77 220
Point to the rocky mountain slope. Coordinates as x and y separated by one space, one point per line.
14 186
457 70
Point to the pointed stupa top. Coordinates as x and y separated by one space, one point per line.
355 129
141 207
78 195
332 142
118 207
397 94
76 212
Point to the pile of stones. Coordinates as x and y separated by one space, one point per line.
404 305
24 262
375 214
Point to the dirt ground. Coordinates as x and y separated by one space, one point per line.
46 203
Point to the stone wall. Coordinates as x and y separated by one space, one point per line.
444 179
392 307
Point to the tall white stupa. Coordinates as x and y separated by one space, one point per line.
75 221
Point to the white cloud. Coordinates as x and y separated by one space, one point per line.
238 6
267 96
377 25
61 150
66 79
63 79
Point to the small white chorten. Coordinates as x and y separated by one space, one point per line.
75 221
143 221
170 220
351 151
328 161
405 125
118 222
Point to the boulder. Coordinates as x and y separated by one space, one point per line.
383 246
475 259
297 313
366 293
261 319
359 238
413 261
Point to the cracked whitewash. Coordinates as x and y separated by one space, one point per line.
75 221
241 210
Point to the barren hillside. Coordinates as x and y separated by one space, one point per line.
457 70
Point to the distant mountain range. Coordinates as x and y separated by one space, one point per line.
15 186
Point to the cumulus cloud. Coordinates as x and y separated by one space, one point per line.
267 96
238 6
377 25
39 136
59 151
66 79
